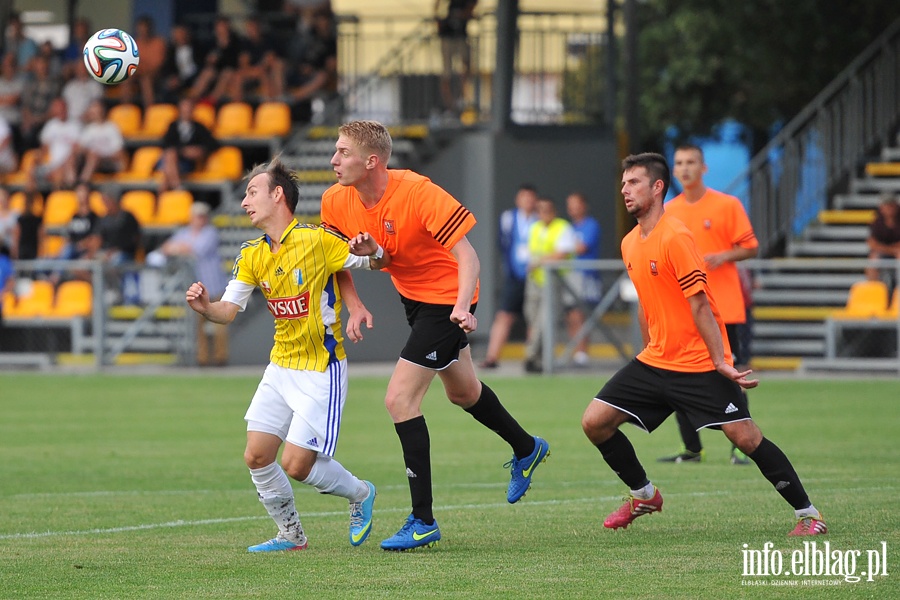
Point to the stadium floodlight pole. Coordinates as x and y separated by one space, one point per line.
507 33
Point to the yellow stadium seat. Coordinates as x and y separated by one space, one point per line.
17 203
142 166
174 208
9 304
867 299
206 114
272 119
234 119
157 118
224 163
36 302
97 204
59 208
140 203
893 311
127 117
52 246
73 299
27 162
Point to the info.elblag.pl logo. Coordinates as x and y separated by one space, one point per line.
819 560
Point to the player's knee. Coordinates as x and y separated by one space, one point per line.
745 435
296 469
256 460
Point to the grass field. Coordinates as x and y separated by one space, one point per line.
134 487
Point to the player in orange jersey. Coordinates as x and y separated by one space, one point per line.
724 237
435 269
686 363
302 393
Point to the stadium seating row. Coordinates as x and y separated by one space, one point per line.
168 209
869 300
225 163
44 301
231 120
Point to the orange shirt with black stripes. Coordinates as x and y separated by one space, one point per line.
719 223
417 222
666 270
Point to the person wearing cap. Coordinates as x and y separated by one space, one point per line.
199 239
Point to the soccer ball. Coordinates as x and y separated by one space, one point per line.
111 56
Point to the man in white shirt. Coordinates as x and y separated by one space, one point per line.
58 138
101 147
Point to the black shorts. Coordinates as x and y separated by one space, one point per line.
435 340
650 395
513 295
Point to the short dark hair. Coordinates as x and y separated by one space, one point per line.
279 175
692 147
528 187
656 166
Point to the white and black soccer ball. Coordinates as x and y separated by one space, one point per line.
111 56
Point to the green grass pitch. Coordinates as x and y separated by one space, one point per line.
134 487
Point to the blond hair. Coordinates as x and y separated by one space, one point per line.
370 136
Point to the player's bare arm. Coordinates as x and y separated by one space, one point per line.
469 269
736 254
359 314
712 337
219 312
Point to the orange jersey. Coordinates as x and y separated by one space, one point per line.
666 270
417 222
719 223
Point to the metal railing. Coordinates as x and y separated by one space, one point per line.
790 180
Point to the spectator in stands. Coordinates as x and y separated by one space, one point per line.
118 232
220 64
56 159
9 219
80 90
28 236
72 54
260 69
53 58
12 84
884 234
199 240
314 74
182 64
8 160
550 238
82 238
455 52
515 225
153 50
37 96
7 282
101 147
186 144
18 44
587 283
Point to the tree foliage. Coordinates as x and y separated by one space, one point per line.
757 61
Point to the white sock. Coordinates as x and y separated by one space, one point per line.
275 493
808 512
645 493
329 476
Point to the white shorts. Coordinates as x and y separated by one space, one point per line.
301 407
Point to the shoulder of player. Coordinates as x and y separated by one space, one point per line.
254 243
722 197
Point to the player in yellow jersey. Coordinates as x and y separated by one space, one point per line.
686 363
301 396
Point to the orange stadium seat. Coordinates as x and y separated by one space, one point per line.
140 203
26 164
272 119
867 299
59 208
223 164
35 303
127 117
157 118
174 208
142 166
73 299
206 114
97 204
17 203
52 246
893 311
234 119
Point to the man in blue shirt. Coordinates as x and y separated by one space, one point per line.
7 281
515 224
589 284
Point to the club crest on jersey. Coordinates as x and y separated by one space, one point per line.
707 223
389 227
628 268
298 277
653 270
295 307
265 287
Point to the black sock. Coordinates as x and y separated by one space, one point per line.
416 446
619 454
776 467
489 412
689 436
